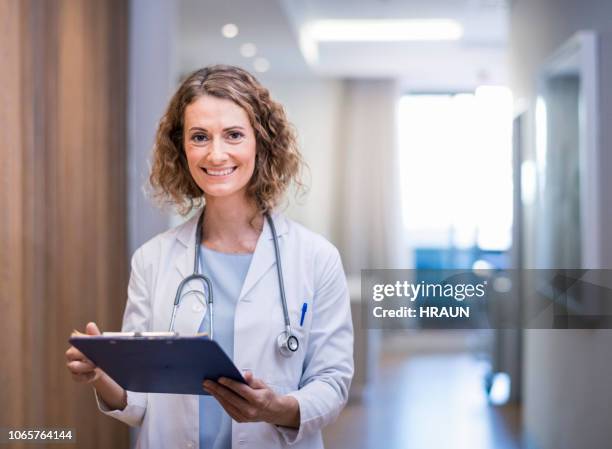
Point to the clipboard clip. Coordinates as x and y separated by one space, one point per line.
140 334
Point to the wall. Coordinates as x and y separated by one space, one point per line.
314 108
566 372
152 80
63 227
347 134
538 27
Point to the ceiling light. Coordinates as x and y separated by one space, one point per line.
248 50
229 30
384 30
261 65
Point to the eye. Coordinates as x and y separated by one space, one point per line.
199 138
235 135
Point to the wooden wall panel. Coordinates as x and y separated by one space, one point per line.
12 348
63 253
35 22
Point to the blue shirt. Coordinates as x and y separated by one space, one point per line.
227 273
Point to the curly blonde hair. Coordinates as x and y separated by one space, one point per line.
278 161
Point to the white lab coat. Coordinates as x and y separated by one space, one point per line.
318 375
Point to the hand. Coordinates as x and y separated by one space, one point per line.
82 369
254 402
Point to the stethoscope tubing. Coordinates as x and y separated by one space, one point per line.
279 273
196 275
209 301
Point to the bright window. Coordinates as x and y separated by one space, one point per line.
456 169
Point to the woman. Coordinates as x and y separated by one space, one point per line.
225 143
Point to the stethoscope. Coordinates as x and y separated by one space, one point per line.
286 342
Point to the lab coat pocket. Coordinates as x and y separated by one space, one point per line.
301 317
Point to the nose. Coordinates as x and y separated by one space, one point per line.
217 153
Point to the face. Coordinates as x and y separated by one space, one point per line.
220 146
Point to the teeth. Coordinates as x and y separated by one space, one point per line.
223 172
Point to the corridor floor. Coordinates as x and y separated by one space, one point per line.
426 401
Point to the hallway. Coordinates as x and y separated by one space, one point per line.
427 401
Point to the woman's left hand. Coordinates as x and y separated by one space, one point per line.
254 401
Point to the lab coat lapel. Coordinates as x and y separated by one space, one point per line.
192 308
184 259
263 257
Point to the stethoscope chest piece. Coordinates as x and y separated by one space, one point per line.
287 343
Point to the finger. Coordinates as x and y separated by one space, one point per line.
74 354
248 376
254 383
237 413
250 379
230 408
92 329
227 394
238 387
80 367
258 384
83 378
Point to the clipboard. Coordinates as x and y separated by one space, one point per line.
158 364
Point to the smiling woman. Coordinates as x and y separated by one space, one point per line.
220 146
224 142
192 121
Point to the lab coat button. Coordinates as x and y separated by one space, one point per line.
197 307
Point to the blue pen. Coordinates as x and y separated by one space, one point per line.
304 307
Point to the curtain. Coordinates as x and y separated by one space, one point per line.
368 216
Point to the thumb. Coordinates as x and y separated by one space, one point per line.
252 381
92 329
248 376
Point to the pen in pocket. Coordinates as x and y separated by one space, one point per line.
304 308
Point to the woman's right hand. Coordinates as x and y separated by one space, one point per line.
82 369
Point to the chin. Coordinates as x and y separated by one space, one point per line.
218 191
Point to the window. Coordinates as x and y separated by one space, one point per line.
456 169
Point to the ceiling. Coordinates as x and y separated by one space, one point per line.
479 57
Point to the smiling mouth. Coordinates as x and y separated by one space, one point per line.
219 172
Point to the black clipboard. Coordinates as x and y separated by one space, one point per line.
159 364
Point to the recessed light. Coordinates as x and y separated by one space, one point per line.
261 65
248 50
384 30
229 30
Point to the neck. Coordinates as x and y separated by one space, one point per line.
231 224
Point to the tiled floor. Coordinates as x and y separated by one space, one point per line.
422 401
